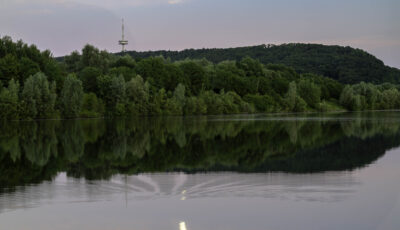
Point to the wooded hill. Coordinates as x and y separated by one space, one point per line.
345 64
95 83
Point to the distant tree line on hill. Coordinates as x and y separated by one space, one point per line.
95 83
345 64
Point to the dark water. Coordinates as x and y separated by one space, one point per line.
337 171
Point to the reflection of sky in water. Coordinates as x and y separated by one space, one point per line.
323 187
363 199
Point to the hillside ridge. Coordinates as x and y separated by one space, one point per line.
342 63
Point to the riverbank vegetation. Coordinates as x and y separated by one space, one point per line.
96 83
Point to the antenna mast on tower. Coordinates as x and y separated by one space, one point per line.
123 42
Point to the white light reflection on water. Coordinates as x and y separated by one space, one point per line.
182 226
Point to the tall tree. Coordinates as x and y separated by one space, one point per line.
38 97
71 97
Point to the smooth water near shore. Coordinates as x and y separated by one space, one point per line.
336 171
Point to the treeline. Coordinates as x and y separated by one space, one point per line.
95 83
344 64
366 96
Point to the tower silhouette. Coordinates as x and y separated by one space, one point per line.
123 42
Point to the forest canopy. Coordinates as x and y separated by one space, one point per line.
345 64
95 83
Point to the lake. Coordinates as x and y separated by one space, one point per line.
316 171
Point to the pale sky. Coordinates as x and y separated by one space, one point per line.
67 25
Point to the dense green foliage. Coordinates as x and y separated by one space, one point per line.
71 97
96 83
31 152
38 97
9 100
365 96
345 64
18 61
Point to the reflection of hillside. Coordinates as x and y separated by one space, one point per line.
31 152
345 154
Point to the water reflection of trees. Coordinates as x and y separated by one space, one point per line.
31 152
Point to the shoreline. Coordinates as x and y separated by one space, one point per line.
204 115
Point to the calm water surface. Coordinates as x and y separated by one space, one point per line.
337 171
